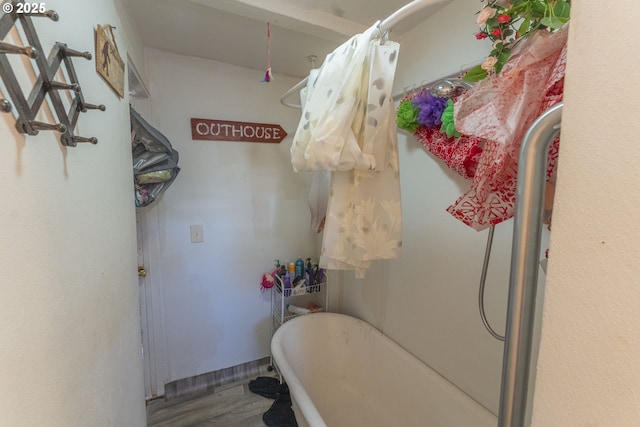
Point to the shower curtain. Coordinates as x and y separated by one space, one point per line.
348 127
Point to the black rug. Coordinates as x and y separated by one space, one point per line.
280 414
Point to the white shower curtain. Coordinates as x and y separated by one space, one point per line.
348 127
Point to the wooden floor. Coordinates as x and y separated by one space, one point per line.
231 405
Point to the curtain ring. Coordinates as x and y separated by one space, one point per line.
382 35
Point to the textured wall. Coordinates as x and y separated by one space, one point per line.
588 372
252 206
70 333
427 299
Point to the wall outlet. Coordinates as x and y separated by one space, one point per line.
196 234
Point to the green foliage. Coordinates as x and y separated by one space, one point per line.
475 74
505 22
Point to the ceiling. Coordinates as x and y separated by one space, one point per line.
235 31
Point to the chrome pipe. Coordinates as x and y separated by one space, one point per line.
523 279
483 282
449 88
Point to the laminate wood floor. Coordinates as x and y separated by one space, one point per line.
231 405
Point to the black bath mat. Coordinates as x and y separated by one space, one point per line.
265 387
280 414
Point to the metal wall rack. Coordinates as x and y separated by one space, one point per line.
46 84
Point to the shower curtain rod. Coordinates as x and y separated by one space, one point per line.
385 25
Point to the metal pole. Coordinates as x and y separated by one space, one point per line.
525 255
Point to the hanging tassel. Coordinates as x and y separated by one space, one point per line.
267 75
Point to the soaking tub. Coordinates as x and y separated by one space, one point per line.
342 372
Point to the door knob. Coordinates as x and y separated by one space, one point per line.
141 271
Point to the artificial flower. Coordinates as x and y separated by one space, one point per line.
448 127
431 109
485 14
504 22
489 64
407 116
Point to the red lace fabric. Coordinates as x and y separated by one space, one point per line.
460 154
499 110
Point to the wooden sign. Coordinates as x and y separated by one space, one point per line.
109 63
224 130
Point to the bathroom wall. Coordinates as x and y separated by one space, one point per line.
209 313
71 350
427 299
588 372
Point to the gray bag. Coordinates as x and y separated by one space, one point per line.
155 162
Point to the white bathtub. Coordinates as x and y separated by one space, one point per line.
342 372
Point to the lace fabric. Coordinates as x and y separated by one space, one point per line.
499 110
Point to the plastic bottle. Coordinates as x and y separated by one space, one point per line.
287 284
292 270
308 274
277 269
299 268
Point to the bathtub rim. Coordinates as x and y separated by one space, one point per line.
304 402
296 389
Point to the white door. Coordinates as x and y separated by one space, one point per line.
151 306
146 315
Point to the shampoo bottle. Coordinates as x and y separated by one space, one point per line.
287 284
299 268
292 270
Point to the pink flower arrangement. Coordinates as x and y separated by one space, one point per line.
507 21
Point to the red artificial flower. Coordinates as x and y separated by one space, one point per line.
496 32
480 36
503 19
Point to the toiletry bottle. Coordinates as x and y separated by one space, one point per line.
299 268
308 274
277 269
287 284
292 271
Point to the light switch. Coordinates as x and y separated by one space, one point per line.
196 234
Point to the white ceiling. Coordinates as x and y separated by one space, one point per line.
234 31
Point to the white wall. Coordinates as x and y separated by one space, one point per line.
70 353
588 372
427 299
253 208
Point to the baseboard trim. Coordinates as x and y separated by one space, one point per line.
206 383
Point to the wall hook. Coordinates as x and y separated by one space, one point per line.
45 86
74 53
92 140
51 14
26 50
5 106
38 126
75 87
83 107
